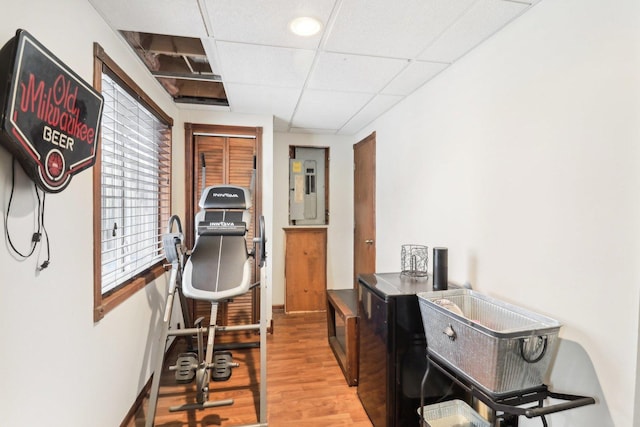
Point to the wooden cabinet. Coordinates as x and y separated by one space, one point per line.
342 330
305 269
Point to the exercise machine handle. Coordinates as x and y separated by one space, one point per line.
175 219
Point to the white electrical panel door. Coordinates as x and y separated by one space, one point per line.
306 187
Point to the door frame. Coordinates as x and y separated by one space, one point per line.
191 131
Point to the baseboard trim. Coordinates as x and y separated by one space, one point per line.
130 418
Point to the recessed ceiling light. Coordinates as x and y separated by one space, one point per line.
305 26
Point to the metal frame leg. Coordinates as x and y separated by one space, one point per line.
263 349
162 342
186 317
207 364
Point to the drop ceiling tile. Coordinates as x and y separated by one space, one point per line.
263 65
327 110
170 17
265 22
369 113
279 102
397 30
485 18
353 73
265 68
210 49
414 76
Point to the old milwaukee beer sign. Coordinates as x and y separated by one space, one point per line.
50 116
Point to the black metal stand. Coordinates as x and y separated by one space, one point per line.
508 406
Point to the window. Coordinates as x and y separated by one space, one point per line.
132 183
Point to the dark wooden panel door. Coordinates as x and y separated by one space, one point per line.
364 200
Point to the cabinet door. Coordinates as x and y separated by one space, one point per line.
305 269
374 368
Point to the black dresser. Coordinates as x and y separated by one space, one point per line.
392 354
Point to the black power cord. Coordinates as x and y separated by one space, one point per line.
45 264
36 237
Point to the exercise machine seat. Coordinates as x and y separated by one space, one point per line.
219 267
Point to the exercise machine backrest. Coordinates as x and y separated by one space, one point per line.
219 267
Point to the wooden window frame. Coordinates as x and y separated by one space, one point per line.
105 303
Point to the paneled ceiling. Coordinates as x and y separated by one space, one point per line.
241 56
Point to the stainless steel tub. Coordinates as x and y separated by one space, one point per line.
500 347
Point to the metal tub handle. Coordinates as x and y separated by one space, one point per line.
450 333
528 357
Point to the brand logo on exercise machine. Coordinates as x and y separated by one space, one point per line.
222 224
234 195
49 116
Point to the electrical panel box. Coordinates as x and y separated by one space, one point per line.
306 187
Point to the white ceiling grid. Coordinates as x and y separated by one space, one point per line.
369 55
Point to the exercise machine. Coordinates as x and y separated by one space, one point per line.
217 269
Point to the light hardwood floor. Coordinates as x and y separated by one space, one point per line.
305 385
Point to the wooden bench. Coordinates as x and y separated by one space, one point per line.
342 323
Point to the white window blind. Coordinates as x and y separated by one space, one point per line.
135 197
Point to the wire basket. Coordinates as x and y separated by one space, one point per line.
414 260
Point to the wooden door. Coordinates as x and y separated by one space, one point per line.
364 198
229 159
305 269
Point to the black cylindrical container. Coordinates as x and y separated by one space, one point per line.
440 269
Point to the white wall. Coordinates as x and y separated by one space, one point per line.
340 228
525 161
